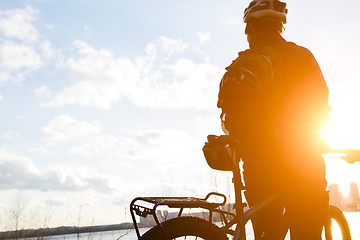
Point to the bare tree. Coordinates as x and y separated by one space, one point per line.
16 214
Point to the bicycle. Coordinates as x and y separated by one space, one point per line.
220 153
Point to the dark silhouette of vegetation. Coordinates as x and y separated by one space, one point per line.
41 232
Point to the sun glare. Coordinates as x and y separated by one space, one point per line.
343 132
344 129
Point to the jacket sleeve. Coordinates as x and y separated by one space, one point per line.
316 97
304 105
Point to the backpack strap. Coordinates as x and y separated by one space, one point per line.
253 71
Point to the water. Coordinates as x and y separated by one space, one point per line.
110 235
354 223
352 217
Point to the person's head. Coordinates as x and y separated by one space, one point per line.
264 17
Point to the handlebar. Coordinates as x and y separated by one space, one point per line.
349 155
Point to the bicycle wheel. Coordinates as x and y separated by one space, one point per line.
337 216
186 228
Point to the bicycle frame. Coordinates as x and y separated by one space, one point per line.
240 218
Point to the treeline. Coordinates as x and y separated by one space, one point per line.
43 232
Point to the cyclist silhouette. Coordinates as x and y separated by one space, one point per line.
274 99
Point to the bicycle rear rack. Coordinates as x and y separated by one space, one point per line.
173 202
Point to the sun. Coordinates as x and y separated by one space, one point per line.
343 132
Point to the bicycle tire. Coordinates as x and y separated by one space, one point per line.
185 226
337 215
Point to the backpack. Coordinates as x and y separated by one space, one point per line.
249 79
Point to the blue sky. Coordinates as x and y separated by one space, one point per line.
103 101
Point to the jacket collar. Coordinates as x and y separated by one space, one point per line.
267 40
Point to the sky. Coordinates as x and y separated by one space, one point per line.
104 101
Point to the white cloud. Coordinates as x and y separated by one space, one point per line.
152 80
46 50
203 37
182 83
151 149
16 170
64 127
9 135
16 56
49 26
1 97
38 150
17 24
42 92
193 86
209 124
171 46
65 178
19 172
85 29
23 49
102 78
107 146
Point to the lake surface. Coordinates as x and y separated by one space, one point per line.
352 217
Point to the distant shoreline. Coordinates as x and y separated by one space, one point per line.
65 230
42 232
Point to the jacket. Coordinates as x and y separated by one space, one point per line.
274 99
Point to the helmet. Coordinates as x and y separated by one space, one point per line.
266 9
